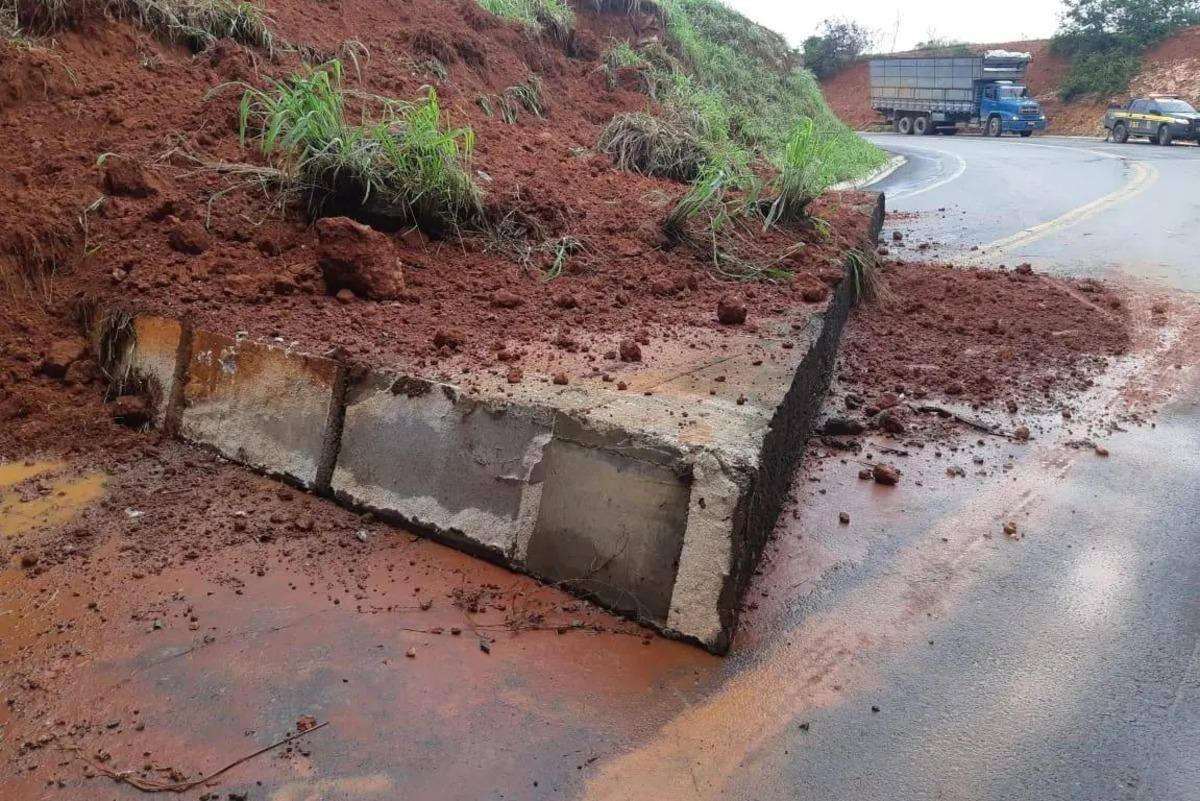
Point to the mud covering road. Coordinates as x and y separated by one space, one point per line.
1017 618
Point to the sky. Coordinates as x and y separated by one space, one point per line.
919 20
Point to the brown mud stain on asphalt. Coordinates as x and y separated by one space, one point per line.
820 662
193 663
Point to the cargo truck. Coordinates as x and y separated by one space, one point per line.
928 95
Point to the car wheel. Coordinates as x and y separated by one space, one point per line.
1026 134
921 126
995 127
1120 133
904 125
1164 135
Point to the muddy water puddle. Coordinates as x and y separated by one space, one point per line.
35 495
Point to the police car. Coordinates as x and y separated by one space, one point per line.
1160 118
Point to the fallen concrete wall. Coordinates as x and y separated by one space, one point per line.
654 503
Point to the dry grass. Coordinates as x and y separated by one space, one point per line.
642 143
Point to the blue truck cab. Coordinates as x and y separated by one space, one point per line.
1009 105
944 94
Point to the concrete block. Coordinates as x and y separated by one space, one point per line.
468 468
613 514
154 360
264 406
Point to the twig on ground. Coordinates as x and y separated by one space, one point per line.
151 786
966 421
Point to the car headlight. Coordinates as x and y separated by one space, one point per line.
1179 121
1015 117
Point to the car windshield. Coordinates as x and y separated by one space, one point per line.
1175 107
1010 92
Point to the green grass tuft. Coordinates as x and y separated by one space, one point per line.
799 180
744 91
553 17
398 155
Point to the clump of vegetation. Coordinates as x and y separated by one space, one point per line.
399 156
741 89
528 96
798 181
838 43
553 17
738 99
509 103
942 46
642 143
1105 39
196 23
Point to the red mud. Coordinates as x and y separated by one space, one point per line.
165 235
990 338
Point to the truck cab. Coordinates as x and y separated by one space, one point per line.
1005 106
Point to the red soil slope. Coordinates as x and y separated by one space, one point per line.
188 240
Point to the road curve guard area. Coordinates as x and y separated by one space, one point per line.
652 498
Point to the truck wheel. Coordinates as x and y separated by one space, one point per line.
994 127
1026 134
922 126
904 125
1164 135
1120 133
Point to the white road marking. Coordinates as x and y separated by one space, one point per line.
1143 175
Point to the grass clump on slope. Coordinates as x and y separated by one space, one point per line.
196 23
747 87
552 16
398 156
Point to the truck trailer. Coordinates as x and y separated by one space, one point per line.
928 95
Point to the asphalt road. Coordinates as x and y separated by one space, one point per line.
1076 206
921 654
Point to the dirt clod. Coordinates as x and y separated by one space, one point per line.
190 238
731 310
124 177
885 474
61 354
630 351
357 257
131 410
452 338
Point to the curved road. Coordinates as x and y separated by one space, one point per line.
1069 205
918 653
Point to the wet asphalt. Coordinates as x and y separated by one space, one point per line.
1065 665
